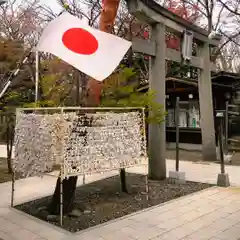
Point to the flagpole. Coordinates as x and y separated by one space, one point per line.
37 75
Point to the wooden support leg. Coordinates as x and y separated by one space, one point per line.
157 145
206 106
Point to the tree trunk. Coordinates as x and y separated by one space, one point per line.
69 187
123 180
9 164
108 15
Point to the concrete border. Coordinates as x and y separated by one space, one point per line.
57 228
37 220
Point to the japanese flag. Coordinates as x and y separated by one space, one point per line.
93 52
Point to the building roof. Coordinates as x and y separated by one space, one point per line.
225 75
215 81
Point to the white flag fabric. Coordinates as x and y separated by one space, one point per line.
91 51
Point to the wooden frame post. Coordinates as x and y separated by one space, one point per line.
206 106
157 142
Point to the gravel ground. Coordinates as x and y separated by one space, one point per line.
102 201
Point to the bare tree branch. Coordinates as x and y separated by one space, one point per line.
225 5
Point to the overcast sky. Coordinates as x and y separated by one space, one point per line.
53 4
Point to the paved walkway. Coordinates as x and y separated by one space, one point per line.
210 214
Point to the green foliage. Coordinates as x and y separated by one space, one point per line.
46 103
51 94
15 98
121 91
55 83
53 90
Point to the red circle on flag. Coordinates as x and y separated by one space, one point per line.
80 41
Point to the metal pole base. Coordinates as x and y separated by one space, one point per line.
176 177
223 180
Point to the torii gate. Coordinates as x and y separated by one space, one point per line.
159 19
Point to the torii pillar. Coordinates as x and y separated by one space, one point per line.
159 19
